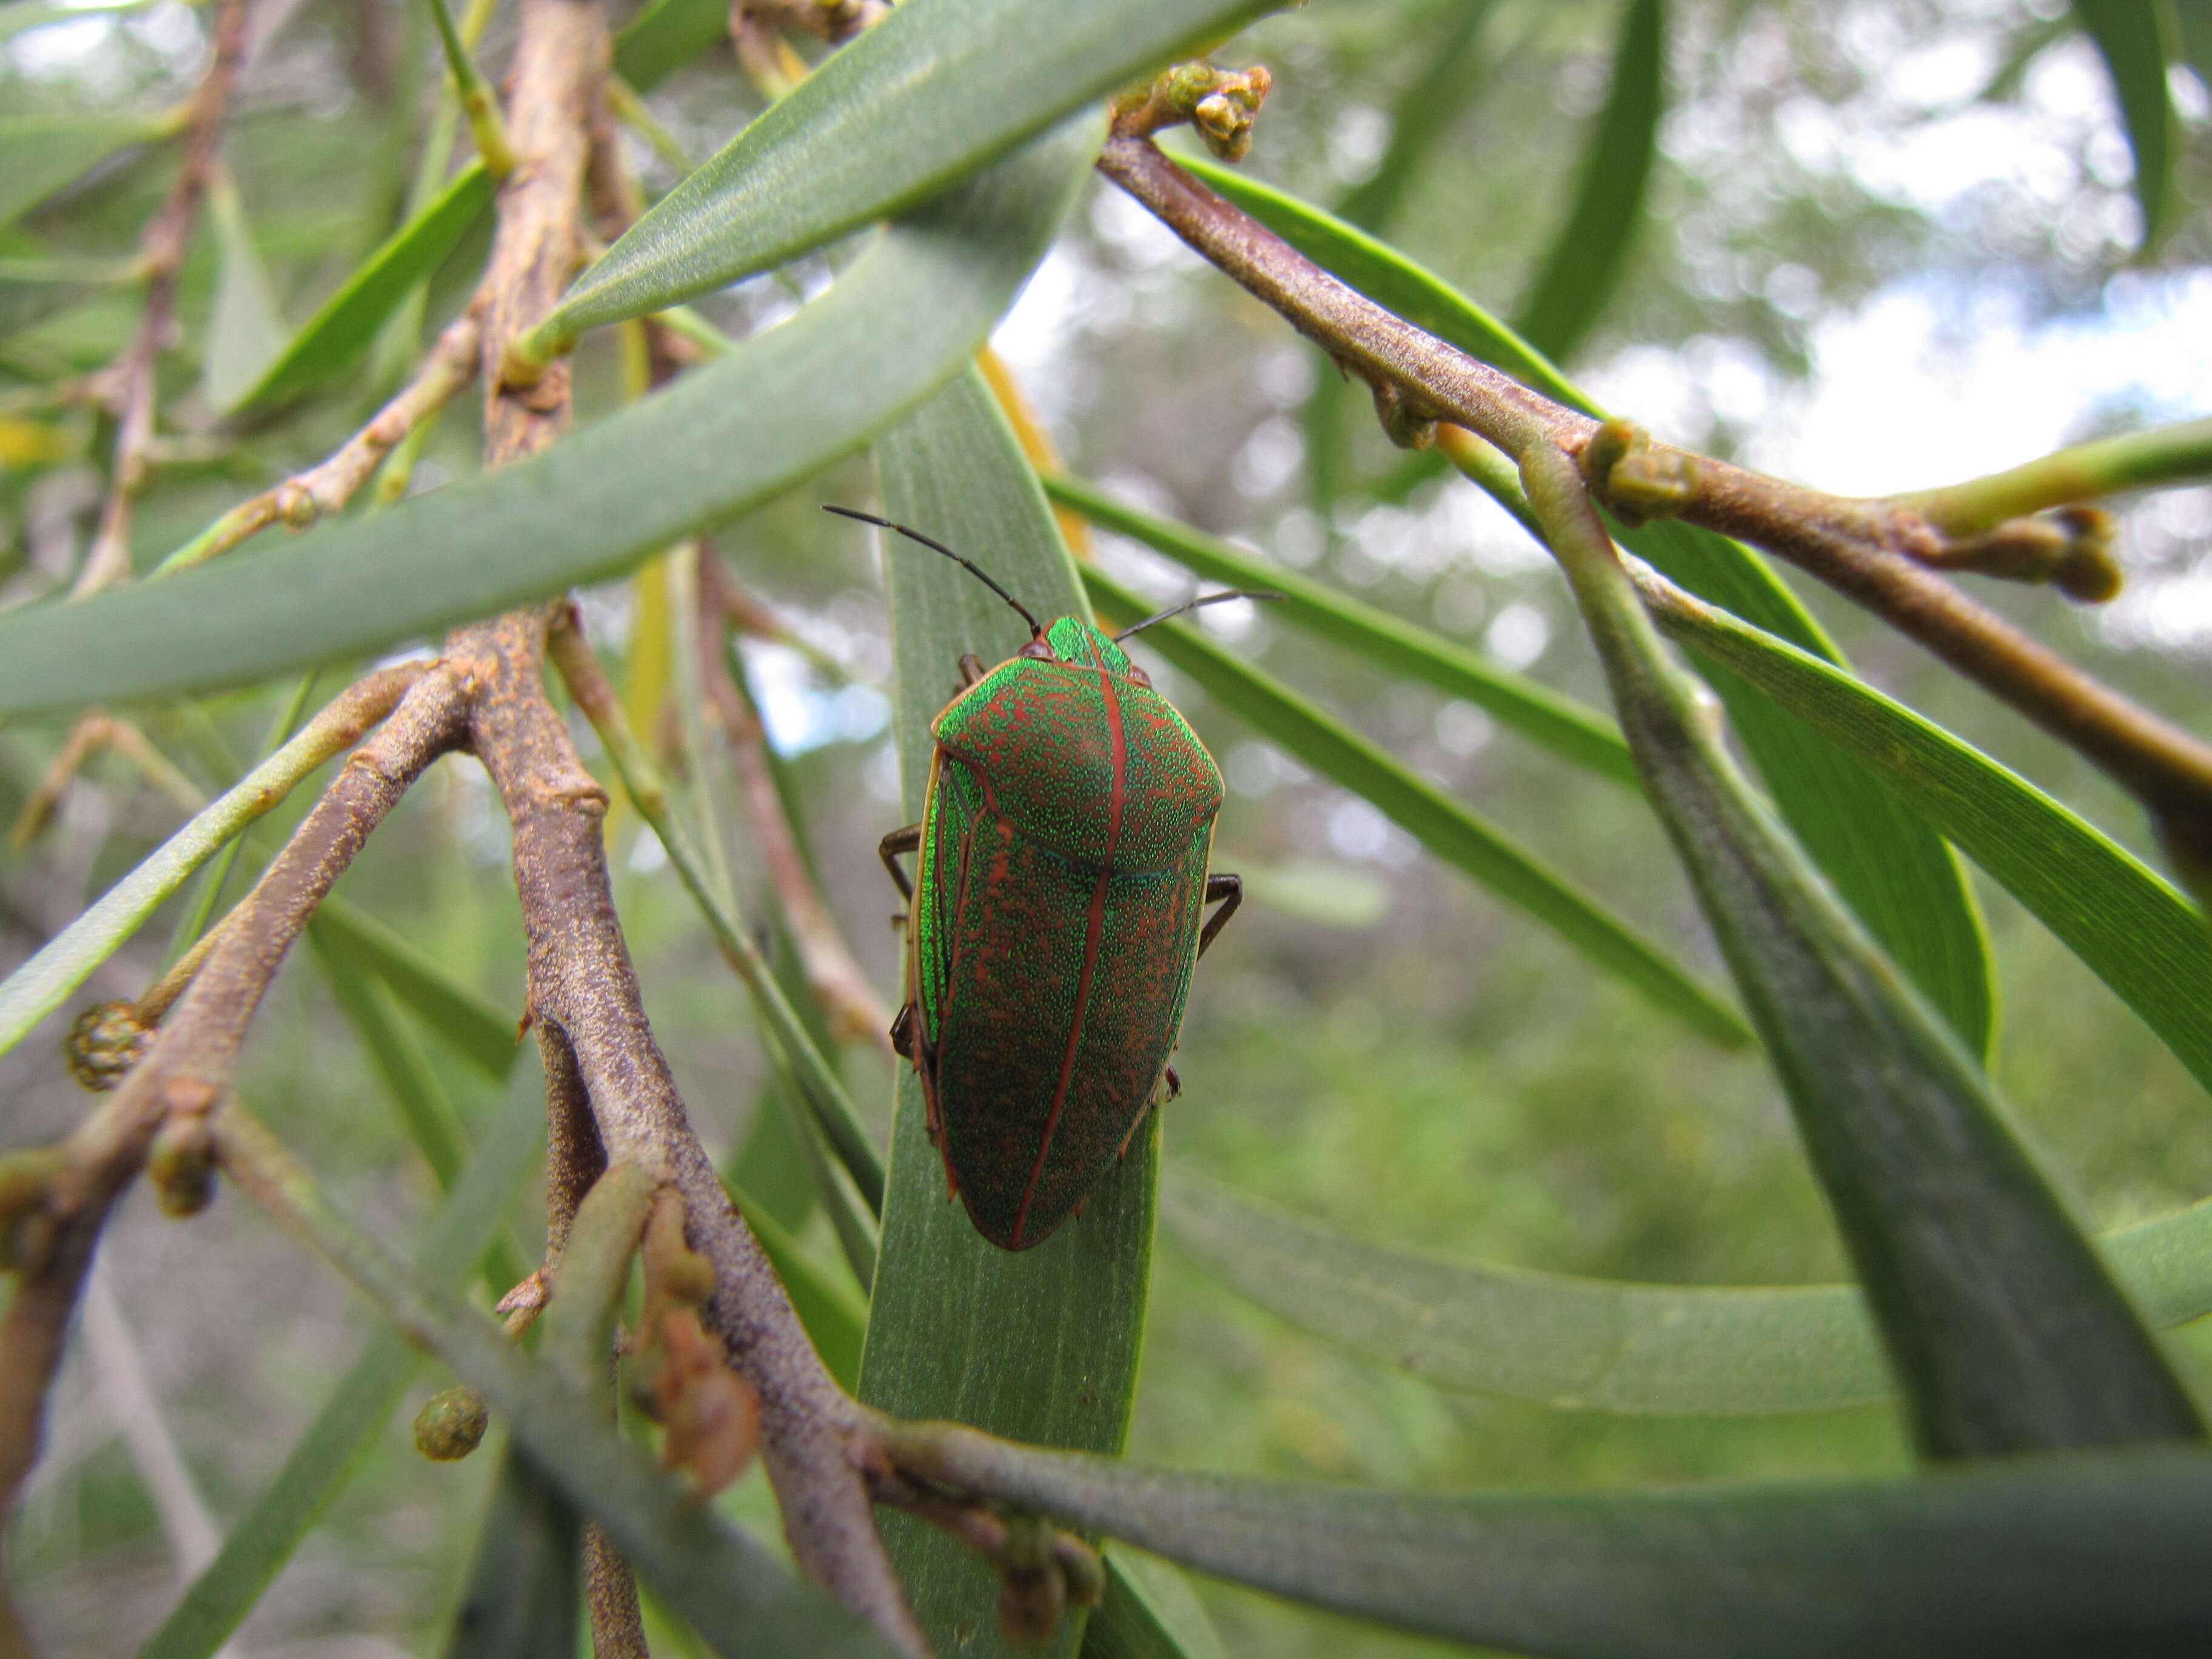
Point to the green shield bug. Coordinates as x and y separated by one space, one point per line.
1055 915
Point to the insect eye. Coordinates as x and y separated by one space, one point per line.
1039 649
1138 675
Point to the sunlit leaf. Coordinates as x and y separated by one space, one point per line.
1585 264
1574 731
1042 1344
2050 1557
339 334
934 89
1891 868
1450 830
2137 39
472 1223
1605 1344
891 329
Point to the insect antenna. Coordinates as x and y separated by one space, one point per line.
969 565
1192 604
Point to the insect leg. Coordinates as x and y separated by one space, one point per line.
909 840
1227 891
971 670
902 1032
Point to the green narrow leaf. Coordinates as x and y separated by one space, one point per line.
1150 1612
2033 1559
246 330
886 121
42 154
1456 72
2000 1318
479 1032
1450 830
1579 275
828 1305
1893 871
523 1589
733 1589
899 322
338 335
432 1123
1605 1344
2137 39
667 35
1042 1344
1572 730
2133 928
472 1223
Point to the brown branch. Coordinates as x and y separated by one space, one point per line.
53 1203
581 982
325 488
1871 551
855 1011
168 236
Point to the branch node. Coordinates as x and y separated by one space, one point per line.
1408 423
180 1165
1636 479
2071 550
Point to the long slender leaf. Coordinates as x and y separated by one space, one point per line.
42 154
339 335
667 35
479 1032
2131 927
472 1223
738 1594
2001 1320
1446 828
933 90
1891 869
32 291
2043 1559
1578 276
1580 733
1042 1344
2137 39
891 329
1604 1344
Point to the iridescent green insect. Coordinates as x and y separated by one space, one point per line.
1057 914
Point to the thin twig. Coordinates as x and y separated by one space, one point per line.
53 1202
325 488
168 235
855 1009
1870 551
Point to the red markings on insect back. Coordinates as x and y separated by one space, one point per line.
1118 749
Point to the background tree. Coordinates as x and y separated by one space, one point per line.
1473 1018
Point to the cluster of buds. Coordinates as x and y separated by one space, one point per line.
709 1416
1220 103
1636 479
106 1040
2071 550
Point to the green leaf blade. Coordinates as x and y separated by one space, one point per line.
488 1038
1584 265
1042 1344
1583 735
2129 924
933 90
2136 38
1597 1345
340 333
890 330
1441 825
41 155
